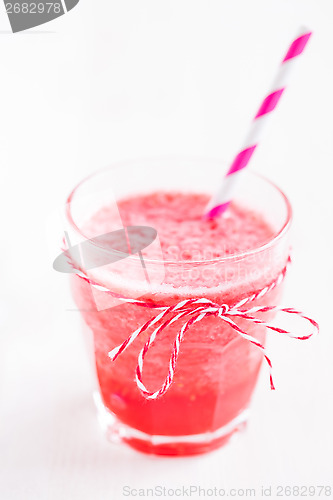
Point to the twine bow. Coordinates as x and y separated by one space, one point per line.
196 310
193 311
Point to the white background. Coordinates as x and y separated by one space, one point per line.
114 80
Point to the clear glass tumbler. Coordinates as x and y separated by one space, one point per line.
216 370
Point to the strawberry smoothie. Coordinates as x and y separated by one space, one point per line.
224 260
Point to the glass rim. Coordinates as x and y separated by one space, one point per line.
224 259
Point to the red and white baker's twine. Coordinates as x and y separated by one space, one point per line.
219 203
195 310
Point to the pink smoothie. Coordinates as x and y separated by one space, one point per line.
217 370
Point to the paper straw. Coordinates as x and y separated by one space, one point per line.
221 200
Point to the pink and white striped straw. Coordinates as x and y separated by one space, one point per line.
221 200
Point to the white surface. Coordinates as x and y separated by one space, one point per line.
139 78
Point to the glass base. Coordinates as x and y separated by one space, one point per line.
118 432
